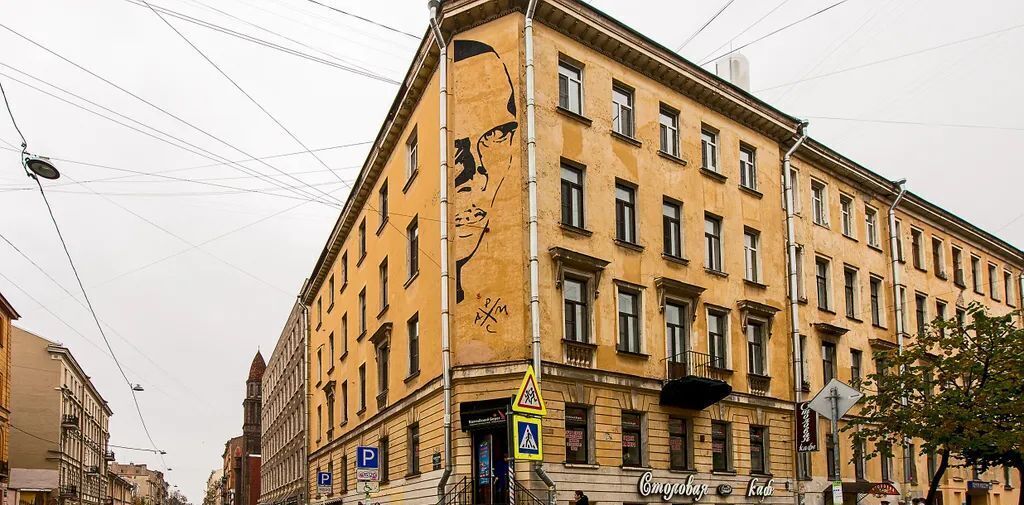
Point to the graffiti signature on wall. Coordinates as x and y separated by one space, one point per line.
484 148
487 315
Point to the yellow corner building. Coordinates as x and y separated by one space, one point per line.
552 188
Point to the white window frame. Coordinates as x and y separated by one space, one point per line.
412 154
920 258
588 280
748 169
637 291
848 215
819 202
871 226
829 295
709 147
720 267
752 255
940 269
766 365
724 314
629 108
668 131
687 322
566 69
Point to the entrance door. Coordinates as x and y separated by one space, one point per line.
490 467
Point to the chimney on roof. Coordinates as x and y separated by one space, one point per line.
735 68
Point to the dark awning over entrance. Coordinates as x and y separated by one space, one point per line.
484 413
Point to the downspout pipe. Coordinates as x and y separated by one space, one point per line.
794 285
531 168
898 291
446 363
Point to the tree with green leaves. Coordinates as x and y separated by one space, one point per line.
958 390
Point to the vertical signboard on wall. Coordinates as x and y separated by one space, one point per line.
806 428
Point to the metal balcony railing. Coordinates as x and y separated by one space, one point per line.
69 491
69 421
108 455
696 364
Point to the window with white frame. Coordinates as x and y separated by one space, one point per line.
709 148
917 248
993 282
629 320
713 243
570 87
572 196
871 226
718 337
412 153
757 345
1008 288
622 110
819 203
676 330
672 224
748 167
976 279
939 257
850 291
847 218
576 309
752 255
823 282
875 287
668 129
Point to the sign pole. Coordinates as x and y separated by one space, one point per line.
836 479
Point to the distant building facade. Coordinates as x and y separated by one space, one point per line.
242 460
150 486
214 488
283 469
7 315
60 447
120 491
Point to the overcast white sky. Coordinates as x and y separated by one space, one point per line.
186 320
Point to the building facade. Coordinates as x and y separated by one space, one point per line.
150 487
120 491
233 461
241 457
7 315
283 417
59 447
635 244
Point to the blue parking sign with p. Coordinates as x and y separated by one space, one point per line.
367 458
323 479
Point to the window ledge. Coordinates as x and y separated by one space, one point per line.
411 278
361 411
920 268
723 472
761 474
318 326
752 192
827 310
636 468
821 225
343 286
851 237
330 370
755 284
876 247
383 223
855 319
675 259
712 271
361 258
412 376
580 118
412 177
413 475
713 174
361 335
582 465
632 354
330 307
343 355
626 138
628 245
880 327
383 311
671 157
942 275
727 371
684 471
568 228
960 284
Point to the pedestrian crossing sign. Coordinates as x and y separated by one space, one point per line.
528 399
528 438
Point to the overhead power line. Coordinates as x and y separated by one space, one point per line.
893 58
745 30
699 30
267 44
163 110
370 21
919 123
769 34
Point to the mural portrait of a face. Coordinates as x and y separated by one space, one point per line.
484 145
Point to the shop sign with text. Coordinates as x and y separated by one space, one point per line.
647 485
806 428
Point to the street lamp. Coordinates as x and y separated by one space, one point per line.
41 166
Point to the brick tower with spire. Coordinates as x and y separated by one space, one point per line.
249 483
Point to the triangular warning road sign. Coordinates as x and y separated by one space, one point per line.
528 399
529 441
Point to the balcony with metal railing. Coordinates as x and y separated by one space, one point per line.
69 421
69 491
695 380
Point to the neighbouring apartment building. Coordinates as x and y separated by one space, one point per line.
7 315
283 417
635 243
59 444
150 486
120 491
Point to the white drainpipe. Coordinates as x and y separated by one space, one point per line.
897 283
446 363
794 286
531 167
